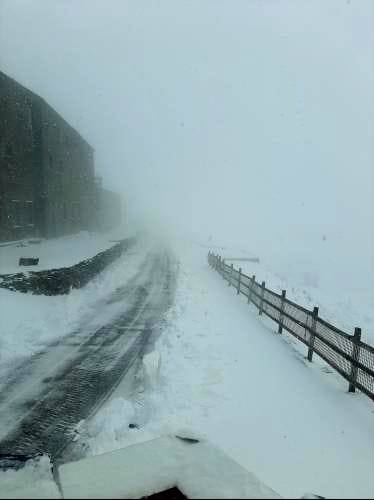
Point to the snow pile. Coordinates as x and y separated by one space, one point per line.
111 424
199 471
151 369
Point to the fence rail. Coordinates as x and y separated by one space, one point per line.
347 354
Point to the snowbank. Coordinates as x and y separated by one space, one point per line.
199 471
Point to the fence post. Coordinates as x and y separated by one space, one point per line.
280 326
312 334
231 273
239 280
220 265
262 298
223 269
251 288
355 355
209 259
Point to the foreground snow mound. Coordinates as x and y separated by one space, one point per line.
198 469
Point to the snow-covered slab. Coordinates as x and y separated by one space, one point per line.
198 469
58 252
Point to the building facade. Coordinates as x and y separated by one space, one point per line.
47 179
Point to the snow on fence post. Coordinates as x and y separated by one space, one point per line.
231 273
251 288
239 280
312 333
280 326
260 311
355 355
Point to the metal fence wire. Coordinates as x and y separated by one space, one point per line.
347 354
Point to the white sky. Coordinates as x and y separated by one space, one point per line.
248 120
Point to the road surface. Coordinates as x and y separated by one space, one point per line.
70 379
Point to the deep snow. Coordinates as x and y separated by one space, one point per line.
226 375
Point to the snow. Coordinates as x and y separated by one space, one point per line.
151 368
34 480
226 376
218 372
29 322
198 470
58 252
314 279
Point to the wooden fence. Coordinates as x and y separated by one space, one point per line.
347 354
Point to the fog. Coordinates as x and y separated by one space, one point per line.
250 122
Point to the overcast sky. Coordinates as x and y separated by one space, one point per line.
248 120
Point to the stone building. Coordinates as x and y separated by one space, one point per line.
47 178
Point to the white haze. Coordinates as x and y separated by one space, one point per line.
247 121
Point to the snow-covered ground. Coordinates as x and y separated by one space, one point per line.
29 322
224 374
218 372
58 252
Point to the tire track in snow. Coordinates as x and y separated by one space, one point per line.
78 388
